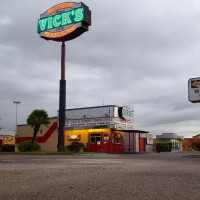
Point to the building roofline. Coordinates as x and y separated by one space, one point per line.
131 130
82 108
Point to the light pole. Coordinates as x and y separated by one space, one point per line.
16 102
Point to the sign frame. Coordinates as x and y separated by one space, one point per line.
73 123
126 113
58 22
194 90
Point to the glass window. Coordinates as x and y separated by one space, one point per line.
112 138
92 140
118 139
175 144
106 138
95 138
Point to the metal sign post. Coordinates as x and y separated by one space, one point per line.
62 99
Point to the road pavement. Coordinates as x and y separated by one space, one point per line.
156 176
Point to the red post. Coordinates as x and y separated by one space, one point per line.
63 60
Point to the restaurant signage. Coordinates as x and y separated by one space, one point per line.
74 137
194 90
64 21
126 113
98 122
7 138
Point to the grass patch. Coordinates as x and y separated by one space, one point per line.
49 153
37 153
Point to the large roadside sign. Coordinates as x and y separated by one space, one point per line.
64 21
194 90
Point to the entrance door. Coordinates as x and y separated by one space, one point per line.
101 142
142 144
95 143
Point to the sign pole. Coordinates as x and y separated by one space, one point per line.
60 23
62 99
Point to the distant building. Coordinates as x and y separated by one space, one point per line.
192 144
171 137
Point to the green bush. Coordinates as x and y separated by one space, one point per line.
28 146
75 146
163 146
62 149
8 148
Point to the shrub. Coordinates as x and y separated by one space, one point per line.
28 146
62 149
8 148
75 146
163 146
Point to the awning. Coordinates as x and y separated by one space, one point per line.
135 131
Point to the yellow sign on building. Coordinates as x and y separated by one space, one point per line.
8 139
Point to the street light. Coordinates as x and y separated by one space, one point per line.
16 102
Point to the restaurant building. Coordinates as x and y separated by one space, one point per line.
102 129
192 144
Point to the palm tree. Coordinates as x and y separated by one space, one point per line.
36 119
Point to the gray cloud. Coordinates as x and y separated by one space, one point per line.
137 53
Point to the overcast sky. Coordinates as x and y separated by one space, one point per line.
136 53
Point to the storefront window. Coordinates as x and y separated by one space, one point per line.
106 138
175 144
118 139
112 138
95 138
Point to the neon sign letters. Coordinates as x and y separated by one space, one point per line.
66 18
60 6
61 33
64 21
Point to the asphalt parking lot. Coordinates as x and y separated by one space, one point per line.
100 176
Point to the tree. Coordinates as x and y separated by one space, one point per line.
36 119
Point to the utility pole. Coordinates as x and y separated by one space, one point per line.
16 103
